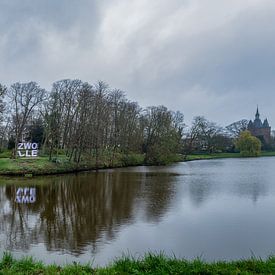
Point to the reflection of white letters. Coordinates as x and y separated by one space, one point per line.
32 192
25 195
18 199
18 192
26 190
25 199
32 199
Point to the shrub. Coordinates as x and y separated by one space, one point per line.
248 145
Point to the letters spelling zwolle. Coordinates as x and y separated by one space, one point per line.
30 149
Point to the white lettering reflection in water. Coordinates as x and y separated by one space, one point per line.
25 195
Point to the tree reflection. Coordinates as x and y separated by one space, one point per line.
73 211
159 194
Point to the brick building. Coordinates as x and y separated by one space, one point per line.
259 129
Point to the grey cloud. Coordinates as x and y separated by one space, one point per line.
61 14
210 57
23 23
233 64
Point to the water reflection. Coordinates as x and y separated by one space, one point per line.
208 179
212 207
73 211
25 195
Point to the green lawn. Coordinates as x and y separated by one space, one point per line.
150 264
42 165
212 156
224 155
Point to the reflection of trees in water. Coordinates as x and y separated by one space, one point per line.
14 223
252 187
73 211
80 209
159 191
200 189
238 177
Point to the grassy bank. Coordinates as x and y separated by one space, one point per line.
60 165
224 155
150 264
42 165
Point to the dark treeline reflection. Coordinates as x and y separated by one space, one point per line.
71 212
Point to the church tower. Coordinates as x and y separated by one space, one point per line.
259 129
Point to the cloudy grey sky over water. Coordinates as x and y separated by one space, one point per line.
202 57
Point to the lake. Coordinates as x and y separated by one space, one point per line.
214 209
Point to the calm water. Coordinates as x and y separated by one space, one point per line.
216 209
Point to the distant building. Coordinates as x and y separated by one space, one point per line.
259 129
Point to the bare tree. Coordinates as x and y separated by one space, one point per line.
90 123
3 91
161 137
237 127
3 121
192 135
25 98
203 136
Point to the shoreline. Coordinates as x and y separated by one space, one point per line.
61 172
41 166
225 155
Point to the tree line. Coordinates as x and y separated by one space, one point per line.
84 121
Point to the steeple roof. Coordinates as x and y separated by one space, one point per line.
265 124
250 124
257 113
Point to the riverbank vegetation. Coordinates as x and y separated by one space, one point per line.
78 125
61 164
150 264
87 124
200 156
248 145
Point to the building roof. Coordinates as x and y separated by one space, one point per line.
265 124
257 123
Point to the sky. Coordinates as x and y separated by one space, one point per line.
202 57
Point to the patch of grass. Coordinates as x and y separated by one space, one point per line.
42 165
149 264
267 154
213 156
224 155
5 154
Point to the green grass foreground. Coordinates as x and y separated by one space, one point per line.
149 264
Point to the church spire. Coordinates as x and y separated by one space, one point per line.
257 113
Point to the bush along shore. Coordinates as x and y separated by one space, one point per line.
149 264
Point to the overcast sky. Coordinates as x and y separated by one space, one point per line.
202 57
